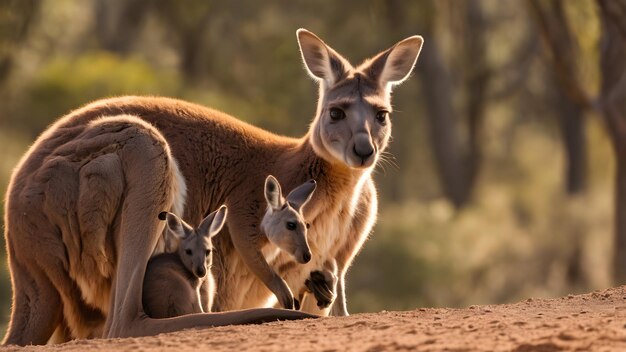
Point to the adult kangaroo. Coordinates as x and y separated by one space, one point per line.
82 223
221 160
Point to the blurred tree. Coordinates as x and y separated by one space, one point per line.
118 23
571 99
458 162
572 125
187 22
613 107
611 102
16 18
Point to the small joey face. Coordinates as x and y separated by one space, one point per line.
195 243
283 222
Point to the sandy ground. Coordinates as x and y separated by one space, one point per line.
590 322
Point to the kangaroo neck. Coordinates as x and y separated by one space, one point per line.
321 169
335 181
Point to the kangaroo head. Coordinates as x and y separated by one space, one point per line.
352 124
195 243
283 222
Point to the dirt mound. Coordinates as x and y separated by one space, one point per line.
595 321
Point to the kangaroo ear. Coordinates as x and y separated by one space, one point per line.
273 193
301 194
218 220
212 224
395 64
321 61
176 226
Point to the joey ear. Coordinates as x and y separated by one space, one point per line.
395 64
273 193
213 223
320 60
176 226
301 194
218 221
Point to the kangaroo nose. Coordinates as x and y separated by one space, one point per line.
201 271
306 257
363 150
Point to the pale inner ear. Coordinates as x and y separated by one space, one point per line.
301 194
176 226
273 192
321 61
218 221
401 60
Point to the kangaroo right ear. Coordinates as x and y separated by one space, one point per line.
273 193
212 224
394 65
219 219
321 61
176 226
300 195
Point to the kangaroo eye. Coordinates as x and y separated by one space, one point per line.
337 114
291 226
381 117
188 251
208 252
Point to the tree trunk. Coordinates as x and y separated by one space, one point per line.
437 88
458 162
613 107
118 23
572 124
619 261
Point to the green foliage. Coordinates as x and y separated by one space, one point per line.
66 83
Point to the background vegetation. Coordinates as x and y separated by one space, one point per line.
503 177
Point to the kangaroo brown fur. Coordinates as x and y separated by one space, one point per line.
222 161
81 224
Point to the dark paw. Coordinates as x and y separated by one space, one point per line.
289 303
322 284
296 304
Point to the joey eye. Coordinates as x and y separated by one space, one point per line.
291 226
188 251
208 252
337 114
381 117
308 225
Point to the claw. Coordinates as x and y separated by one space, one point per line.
321 287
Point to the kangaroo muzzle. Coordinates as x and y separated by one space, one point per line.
200 271
303 256
363 148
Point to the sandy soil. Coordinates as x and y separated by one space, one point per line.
595 321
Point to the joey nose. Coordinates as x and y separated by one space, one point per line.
201 271
306 257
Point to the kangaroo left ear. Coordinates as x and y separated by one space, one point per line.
395 64
176 225
301 194
273 193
